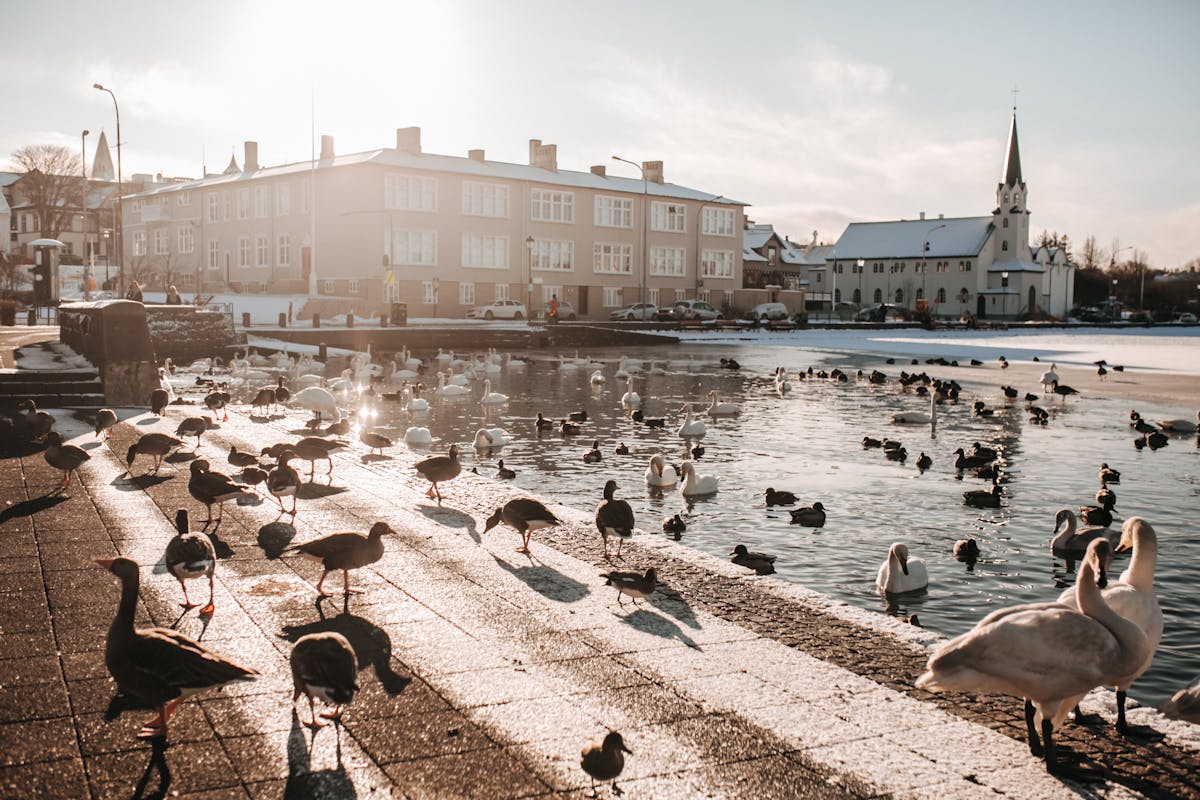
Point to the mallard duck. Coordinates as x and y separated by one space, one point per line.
613 518
325 666
674 525
210 487
1096 515
967 551
339 428
504 472
761 563
578 416
543 424
38 423
924 462
621 450
241 460
812 517
253 476
283 480
524 514
344 551
567 428
983 498
155 445
313 449
437 469
192 426
66 457
593 456
159 666
375 441
264 398
632 583
106 420
1108 475
782 498
605 761
191 555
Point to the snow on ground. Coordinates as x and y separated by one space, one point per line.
54 356
263 308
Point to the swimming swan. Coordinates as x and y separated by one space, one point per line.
1073 541
490 437
630 398
660 473
491 398
692 428
718 409
900 573
694 484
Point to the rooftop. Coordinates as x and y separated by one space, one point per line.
948 238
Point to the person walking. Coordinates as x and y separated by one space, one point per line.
173 298
554 308
135 292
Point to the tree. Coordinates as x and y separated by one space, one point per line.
53 185
1091 255
1062 242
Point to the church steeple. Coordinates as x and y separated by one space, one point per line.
1012 163
102 166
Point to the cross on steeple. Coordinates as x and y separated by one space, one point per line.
1014 94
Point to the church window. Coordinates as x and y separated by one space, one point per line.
941 295
1004 245
1006 197
879 295
899 297
857 296
920 293
1006 222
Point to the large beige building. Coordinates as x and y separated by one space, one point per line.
441 233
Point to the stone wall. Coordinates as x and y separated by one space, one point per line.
185 333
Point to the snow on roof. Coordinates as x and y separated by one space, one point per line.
749 255
9 177
1015 265
461 165
960 236
757 235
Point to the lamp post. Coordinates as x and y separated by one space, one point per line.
120 191
83 188
436 286
925 263
861 264
832 282
699 259
1112 264
529 276
645 223
1004 295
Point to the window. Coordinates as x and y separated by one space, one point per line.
716 264
225 206
1004 245
728 298
839 268
409 192
837 295
964 266
680 294
553 255
466 294
547 205
160 242
326 287
1005 224
612 258
244 251
184 198
139 243
920 293
652 296
879 295
899 267
549 291
964 295
414 248
262 251
612 296
135 208
185 241
667 261
614 212
877 267
352 286
211 207
283 199
899 297
485 199
243 204
428 293
671 217
819 276
943 266
857 297
704 294
305 196
501 292
484 252
284 255
941 295
214 254
261 204
857 269
717 222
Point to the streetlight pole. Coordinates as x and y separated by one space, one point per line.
645 223
699 259
1004 295
861 264
529 277
833 282
83 189
120 191
925 264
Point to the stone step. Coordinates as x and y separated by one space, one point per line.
22 388
79 400
46 376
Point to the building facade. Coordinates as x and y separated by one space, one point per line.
440 233
982 266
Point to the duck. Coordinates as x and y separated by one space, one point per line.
253 476
567 428
325 666
524 514
1073 540
339 428
264 399
633 584
417 434
1096 515
159 400
869 442
593 456
613 518
964 461
1179 425
697 451
1156 439
192 426
486 438
1108 475
1106 497
718 409
106 420
983 498
313 449
210 487
691 428
649 422
1184 704
159 666
605 761
374 441
660 473
621 450
1132 596
343 551
896 454
37 423
811 517
924 462
491 398
318 400
630 398
283 480
191 555
696 485
438 469
239 459
761 563
504 472
781 498
986 453
218 401
967 551
1063 390
543 424
1019 651
65 457
674 525
578 416
899 573
155 445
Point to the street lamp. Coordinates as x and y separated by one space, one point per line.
861 264
529 276
1004 295
925 263
699 260
832 282
120 191
83 188
645 222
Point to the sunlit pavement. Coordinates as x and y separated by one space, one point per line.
483 671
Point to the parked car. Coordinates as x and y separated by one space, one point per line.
565 310
880 313
769 311
641 311
499 309
1186 318
689 309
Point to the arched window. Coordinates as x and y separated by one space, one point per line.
1016 197
857 297
963 295
920 294
941 295
899 297
879 295
1004 245
1006 197
1005 222
837 295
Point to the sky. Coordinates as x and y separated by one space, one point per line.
816 114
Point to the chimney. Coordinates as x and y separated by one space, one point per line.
251 160
475 155
653 171
600 169
326 147
922 215
543 156
408 140
941 216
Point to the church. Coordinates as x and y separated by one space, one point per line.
954 266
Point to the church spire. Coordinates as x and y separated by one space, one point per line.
1012 162
102 166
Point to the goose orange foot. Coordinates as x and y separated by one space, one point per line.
208 610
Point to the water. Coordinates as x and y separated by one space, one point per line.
809 443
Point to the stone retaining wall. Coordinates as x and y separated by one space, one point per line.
185 333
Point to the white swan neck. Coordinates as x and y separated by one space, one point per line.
1140 574
1090 601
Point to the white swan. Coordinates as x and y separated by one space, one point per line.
691 428
409 362
414 403
458 379
580 361
900 573
566 364
449 390
660 473
597 377
718 409
630 398
490 437
1184 704
1133 596
622 372
317 400
917 417
1049 378
1073 540
1021 651
694 484
442 358
308 379
491 398
418 434
343 384
782 384
514 363
1178 425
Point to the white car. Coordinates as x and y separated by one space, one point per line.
641 311
690 309
769 311
499 309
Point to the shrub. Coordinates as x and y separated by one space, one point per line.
8 312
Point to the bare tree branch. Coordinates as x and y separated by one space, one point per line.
53 185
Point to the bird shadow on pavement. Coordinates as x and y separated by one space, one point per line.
274 537
157 762
305 782
368 458
139 483
671 602
452 518
182 457
148 421
27 508
649 622
547 581
372 645
90 445
315 491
